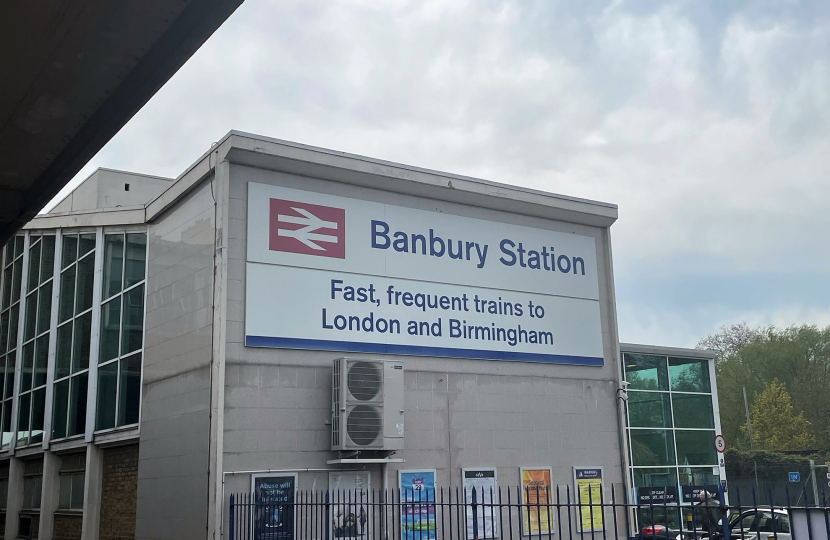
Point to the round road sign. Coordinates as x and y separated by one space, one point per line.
720 443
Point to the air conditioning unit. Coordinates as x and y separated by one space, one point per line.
367 405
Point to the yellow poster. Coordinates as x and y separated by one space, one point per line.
588 487
538 515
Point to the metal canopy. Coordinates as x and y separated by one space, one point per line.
74 72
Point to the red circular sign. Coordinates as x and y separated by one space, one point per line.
720 444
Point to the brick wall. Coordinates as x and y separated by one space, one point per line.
118 493
68 527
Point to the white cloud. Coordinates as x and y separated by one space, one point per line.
708 125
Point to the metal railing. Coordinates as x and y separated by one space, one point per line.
532 513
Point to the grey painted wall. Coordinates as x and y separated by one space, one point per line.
105 188
460 413
174 441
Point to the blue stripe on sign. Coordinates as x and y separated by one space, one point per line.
416 350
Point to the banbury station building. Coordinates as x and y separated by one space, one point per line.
168 342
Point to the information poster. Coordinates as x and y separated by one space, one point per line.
657 495
417 490
483 482
349 499
537 515
275 512
588 488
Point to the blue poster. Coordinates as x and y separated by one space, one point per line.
418 504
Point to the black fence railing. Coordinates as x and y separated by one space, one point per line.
514 513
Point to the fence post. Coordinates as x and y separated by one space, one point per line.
230 520
475 516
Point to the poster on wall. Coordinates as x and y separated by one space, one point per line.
275 512
588 489
483 482
370 277
537 514
417 489
349 499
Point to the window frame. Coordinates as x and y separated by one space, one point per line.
121 358
71 474
675 468
31 509
12 348
37 336
73 320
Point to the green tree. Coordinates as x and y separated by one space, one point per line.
798 357
775 425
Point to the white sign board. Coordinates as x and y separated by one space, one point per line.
349 500
333 273
483 482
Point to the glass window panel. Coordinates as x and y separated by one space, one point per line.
13 320
4 331
110 318
652 447
41 360
689 375
18 245
654 477
77 404
69 250
18 270
130 390
86 267
31 317
28 367
10 376
47 258
37 482
67 295
83 336
113 263
9 253
4 494
696 448
65 493
107 389
7 287
2 376
666 516
693 411
136 255
34 266
86 244
38 406
131 328
44 310
699 476
649 409
78 491
63 351
646 372
61 401
23 419
7 422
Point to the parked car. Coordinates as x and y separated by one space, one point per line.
754 524
761 524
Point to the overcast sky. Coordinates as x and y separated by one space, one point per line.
708 123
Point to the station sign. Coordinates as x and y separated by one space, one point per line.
326 272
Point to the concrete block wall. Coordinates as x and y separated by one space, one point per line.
68 527
118 493
175 425
459 413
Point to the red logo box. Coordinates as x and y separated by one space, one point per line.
310 229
